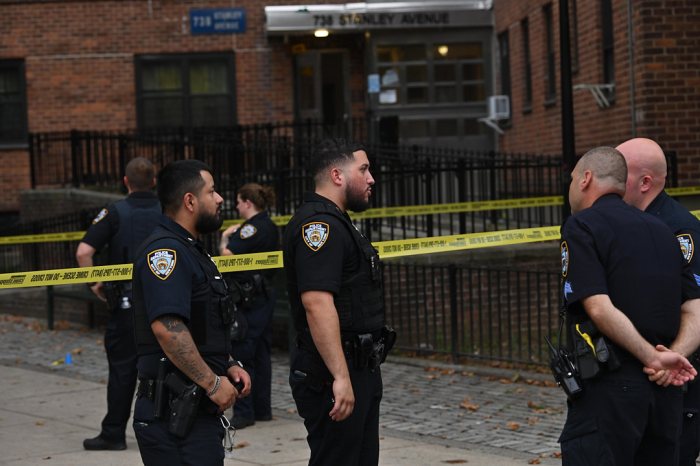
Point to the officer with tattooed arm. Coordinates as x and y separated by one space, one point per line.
182 318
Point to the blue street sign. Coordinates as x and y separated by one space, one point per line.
217 21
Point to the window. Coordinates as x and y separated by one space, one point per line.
13 103
504 58
608 45
447 73
550 81
187 91
527 65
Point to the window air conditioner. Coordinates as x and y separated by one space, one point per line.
499 107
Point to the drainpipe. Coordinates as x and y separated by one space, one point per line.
633 88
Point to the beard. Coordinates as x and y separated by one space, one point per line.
355 199
207 223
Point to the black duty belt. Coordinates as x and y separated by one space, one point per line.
146 388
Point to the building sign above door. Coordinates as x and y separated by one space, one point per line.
355 17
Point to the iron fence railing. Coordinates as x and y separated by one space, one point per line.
496 314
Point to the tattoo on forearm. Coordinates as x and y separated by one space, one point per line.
181 348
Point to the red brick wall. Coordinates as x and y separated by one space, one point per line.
80 57
667 95
14 177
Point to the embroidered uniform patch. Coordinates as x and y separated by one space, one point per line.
315 234
564 259
162 262
102 214
247 231
687 246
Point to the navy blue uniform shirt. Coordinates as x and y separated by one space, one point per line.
106 223
321 254
168 272
615 249
257 234
682 223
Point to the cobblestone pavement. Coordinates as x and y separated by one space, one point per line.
478 408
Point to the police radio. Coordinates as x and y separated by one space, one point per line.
564 371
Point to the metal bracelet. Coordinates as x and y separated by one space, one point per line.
215 388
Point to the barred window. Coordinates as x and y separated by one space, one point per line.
13 103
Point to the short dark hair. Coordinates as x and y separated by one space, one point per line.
177 179
140 172
331 151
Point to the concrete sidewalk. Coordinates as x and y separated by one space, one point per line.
45 417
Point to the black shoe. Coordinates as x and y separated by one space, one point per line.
239 422
267 417
100 443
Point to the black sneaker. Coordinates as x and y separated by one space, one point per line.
100 443
239 422
265 417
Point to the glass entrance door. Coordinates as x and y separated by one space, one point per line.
322 91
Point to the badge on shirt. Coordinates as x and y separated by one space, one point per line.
247 231
315 234
687 247
102 214
564 259
162 262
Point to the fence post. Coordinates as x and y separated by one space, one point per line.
492 188
462 189
49 307
32 158
454 333
75 157
428 195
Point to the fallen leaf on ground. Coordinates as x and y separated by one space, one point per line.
467 404
534 461
40 423
513 425
241 445
455 461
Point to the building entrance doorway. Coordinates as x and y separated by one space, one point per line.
322 91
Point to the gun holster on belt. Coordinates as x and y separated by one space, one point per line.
367 351
592 352
117 294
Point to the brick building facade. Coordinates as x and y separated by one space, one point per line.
649 51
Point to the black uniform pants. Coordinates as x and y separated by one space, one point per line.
121 357
202 447
254 353
352 442
690 435
622 419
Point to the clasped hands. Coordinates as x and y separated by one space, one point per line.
669 368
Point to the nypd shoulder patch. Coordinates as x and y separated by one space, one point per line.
564 258
687 246
315 234
247 231
102 214
162 262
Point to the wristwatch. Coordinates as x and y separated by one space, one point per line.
235 362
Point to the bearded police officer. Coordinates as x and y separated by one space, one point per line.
122 227
624 280
336 296
182 312
646 178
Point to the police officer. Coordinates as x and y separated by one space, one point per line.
336 296
623 282
182 312
122 226
646 177
256 299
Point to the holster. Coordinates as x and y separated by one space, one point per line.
592 352
368 350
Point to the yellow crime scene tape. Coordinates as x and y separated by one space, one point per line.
379 212
273 259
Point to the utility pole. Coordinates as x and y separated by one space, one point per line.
568 139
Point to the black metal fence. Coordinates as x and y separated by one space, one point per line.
488 313
274 155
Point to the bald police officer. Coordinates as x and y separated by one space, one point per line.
646 178
182 317
625 279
